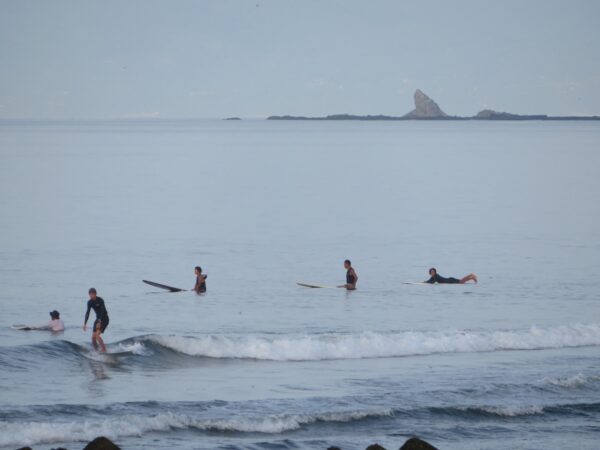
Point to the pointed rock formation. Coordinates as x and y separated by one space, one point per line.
425 108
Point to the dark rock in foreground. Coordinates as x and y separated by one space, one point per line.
417 444
101 443
412 444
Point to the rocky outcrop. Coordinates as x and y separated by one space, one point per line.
489 114
425 108
101 443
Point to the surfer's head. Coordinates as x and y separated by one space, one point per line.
347 264
432 271
92 292
198 270
54 314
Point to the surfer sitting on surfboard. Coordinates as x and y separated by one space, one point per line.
351 276
97 304
200 285
436 278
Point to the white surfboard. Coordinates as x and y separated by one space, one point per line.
24 327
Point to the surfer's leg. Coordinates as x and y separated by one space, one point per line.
101 327
94 343
470 277
102 346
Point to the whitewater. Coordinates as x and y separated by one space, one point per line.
261 363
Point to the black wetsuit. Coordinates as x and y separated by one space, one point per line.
439 279
351 277
200 285
101 313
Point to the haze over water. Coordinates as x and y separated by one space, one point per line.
259 362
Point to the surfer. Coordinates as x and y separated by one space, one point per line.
56 324
200 285
351 276
436 278
97 304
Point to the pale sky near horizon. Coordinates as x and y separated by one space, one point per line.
213 59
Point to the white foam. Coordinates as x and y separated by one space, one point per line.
135 347
575 381
374 345
513 411
31 433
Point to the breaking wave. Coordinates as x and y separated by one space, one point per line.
378 345
313 347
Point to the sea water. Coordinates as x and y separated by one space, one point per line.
261 363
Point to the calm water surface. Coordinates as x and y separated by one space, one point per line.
260 363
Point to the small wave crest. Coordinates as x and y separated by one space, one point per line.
508 411
573 382
30 433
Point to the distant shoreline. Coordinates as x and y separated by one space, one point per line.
427 109
513 117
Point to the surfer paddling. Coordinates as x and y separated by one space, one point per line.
351 276
55 323
97 304
436 278
200 286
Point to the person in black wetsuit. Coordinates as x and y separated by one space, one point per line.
351 276
97 304
437 278
200 286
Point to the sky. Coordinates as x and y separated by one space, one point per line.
108 59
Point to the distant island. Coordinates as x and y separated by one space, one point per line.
427 109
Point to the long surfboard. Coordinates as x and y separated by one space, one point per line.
164 286
24 327
315 286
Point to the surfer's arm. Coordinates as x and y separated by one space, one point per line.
47 326
87 316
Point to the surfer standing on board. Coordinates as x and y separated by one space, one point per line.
436 278
351 276
97 304
200 286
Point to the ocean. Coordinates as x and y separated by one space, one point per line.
261 363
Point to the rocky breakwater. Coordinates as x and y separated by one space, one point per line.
412 444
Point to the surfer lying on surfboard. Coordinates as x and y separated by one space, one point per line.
351 276
55 324
436 278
